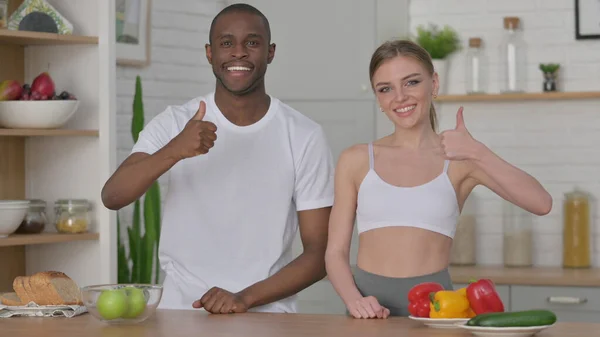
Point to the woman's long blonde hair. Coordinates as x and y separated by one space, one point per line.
391 49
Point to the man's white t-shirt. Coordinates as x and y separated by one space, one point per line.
229 218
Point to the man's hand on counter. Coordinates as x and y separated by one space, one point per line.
221 301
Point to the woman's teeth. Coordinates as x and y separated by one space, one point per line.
406 109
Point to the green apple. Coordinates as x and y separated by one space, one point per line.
136 302
112 304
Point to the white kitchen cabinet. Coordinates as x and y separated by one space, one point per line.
571 304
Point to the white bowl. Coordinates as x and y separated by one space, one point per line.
49 114
12 213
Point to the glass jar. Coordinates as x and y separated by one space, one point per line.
518 236
464 248
35 220
475 67
576 231
72 216
513 57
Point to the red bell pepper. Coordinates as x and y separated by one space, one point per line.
418 298
483 297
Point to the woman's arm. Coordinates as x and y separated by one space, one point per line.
510 182
488 169
341 224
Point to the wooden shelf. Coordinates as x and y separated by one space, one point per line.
24 38
47 132
536 96
45 238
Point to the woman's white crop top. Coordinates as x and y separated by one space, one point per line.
432 206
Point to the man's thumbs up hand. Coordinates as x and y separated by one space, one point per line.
197 138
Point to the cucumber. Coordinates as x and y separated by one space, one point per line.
524 318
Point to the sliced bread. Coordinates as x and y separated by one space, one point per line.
10 299
44 288
55 288
20 290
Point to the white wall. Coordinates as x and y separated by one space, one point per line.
554 141
179 70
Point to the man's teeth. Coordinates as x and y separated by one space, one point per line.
408 108
238 69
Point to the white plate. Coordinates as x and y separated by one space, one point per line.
40 308
442 323
503 332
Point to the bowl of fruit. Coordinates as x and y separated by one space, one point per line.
122 303
35 106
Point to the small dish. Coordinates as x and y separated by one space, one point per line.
484 331
440 323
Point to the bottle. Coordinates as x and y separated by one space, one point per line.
464 246
518 236
576 231
475 67
513 58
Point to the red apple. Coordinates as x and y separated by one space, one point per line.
10 90
43 85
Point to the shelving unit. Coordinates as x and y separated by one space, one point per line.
53 132
22 38
68 163
541 96
45 238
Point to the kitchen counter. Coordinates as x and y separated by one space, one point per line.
196 323
534 276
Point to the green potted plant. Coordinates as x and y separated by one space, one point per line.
140 264
550 72
439 43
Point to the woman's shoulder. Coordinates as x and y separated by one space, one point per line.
355 153
354 158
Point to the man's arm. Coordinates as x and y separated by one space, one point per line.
134 176
137 173
306 269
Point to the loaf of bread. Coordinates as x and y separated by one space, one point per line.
43 288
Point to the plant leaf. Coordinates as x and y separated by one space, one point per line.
152 219
135 243
137 123
122 263
149 239
439 43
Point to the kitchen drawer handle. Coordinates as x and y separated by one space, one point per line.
566 300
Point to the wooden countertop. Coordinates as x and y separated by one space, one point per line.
195 323
537 276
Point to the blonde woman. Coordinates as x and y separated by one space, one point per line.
406 190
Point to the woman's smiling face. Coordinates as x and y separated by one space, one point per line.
404 89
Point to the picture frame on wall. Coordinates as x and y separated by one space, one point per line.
132 32
587 19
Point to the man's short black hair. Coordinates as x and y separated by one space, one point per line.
240 8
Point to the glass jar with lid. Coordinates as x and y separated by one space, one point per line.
35 219
513 58
464 246
476 65
576 231
518 236
72 216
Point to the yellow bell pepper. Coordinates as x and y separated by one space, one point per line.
470 312
449 304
